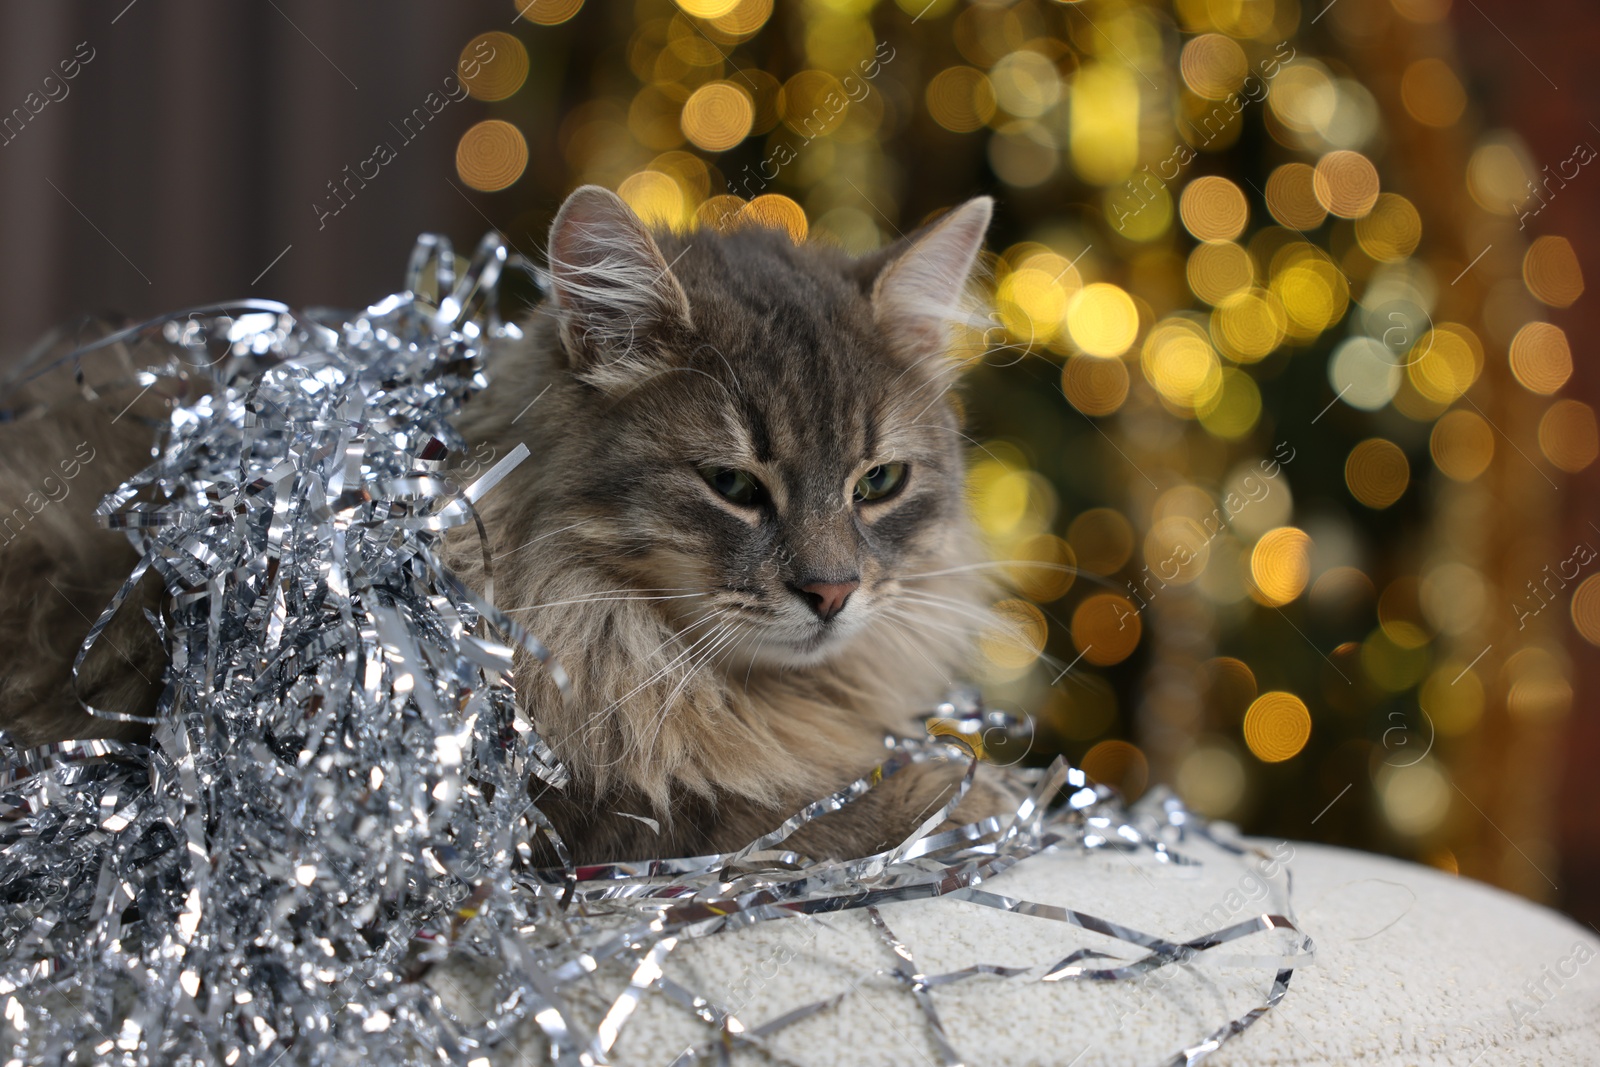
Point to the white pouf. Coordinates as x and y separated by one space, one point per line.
1411 967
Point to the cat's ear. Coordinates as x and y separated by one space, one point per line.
919 286
615 294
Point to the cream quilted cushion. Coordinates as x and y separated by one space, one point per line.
1412 967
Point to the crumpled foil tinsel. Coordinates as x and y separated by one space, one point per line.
334 798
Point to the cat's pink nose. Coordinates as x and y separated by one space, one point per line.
827 598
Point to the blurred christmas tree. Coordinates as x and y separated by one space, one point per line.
1267 369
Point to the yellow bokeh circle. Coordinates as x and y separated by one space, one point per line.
1586 609
1277 726
1462 445
1541 358
1213 209
1106 629
717 116
1346 183
493 65
1094 386
1280 565
1102 320
491 155
1377 472
1568 436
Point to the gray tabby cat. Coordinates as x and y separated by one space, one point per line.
742 531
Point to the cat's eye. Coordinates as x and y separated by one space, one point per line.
734 486
881 481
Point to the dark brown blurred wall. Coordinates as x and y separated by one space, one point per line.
1533 66
187 153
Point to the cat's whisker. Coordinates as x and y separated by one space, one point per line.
541 537
597 599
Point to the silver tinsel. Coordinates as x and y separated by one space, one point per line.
335 796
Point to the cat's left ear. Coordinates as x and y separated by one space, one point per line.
918 294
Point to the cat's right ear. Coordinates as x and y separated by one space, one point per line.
615 294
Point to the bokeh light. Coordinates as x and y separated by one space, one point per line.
1541 359
491 155
1377 472
1567 435
1462 445
717 116
1102 320
1213 209
1551 272
1586 609
1346 184
548 12
1106 629
1277 726
493 65
1280 564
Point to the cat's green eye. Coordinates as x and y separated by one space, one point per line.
881 481
736 487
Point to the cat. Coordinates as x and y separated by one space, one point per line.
742 532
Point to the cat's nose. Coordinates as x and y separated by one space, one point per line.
827 598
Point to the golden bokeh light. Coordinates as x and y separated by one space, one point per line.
1377 472
655 197
1551 272
1102 540
1025 83
1391 230
493 65
1346 183
1102 320
1212 780
1541 358
961 99
1277 726
1017 635
717 116
723 212
1432 93
1118 764
1415 798
1213 65
1462 445
1031 303
1445 362
548 12
653 117
778 212
1179 361
1217 270
1106 629
1585 609
1292 198
1103 122
1213 209
1280 565
1043 567
1094 386
1176 549
1231 687
813 103
1234 409
1390 665
1567 435
744 18
1498 176
1248 325
1537 689
707 9
1313 293
491 155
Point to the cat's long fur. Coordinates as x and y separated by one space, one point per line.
705 699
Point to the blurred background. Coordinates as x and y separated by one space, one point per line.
1288 357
